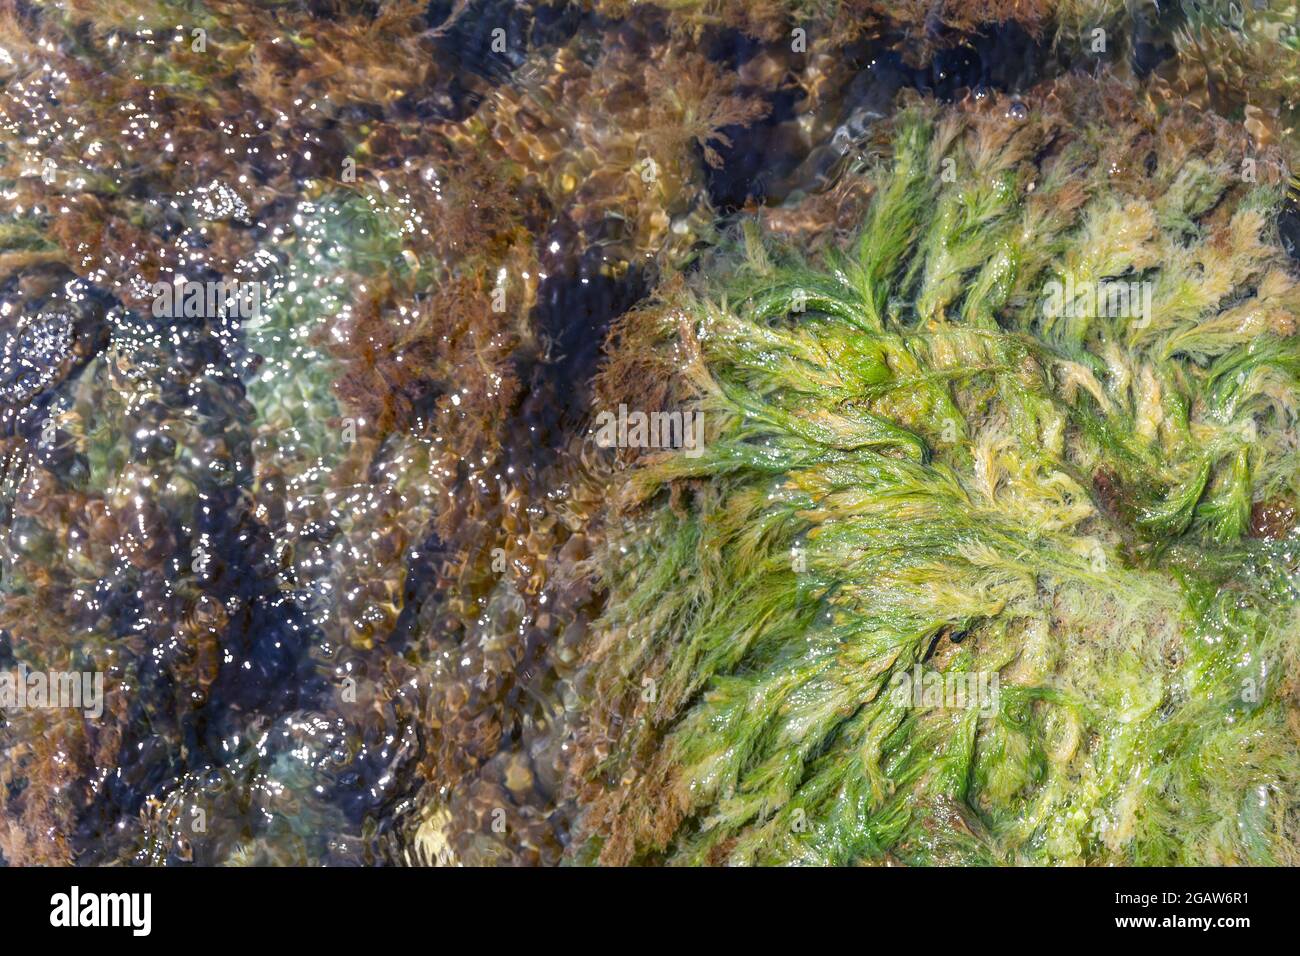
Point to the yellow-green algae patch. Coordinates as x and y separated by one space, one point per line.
917 461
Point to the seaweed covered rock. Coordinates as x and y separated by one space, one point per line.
337 561
1241 59
964 571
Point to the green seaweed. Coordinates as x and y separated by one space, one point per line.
926 470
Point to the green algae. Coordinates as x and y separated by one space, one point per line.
912 460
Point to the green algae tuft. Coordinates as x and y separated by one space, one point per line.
965 572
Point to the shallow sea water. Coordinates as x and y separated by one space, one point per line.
325 542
